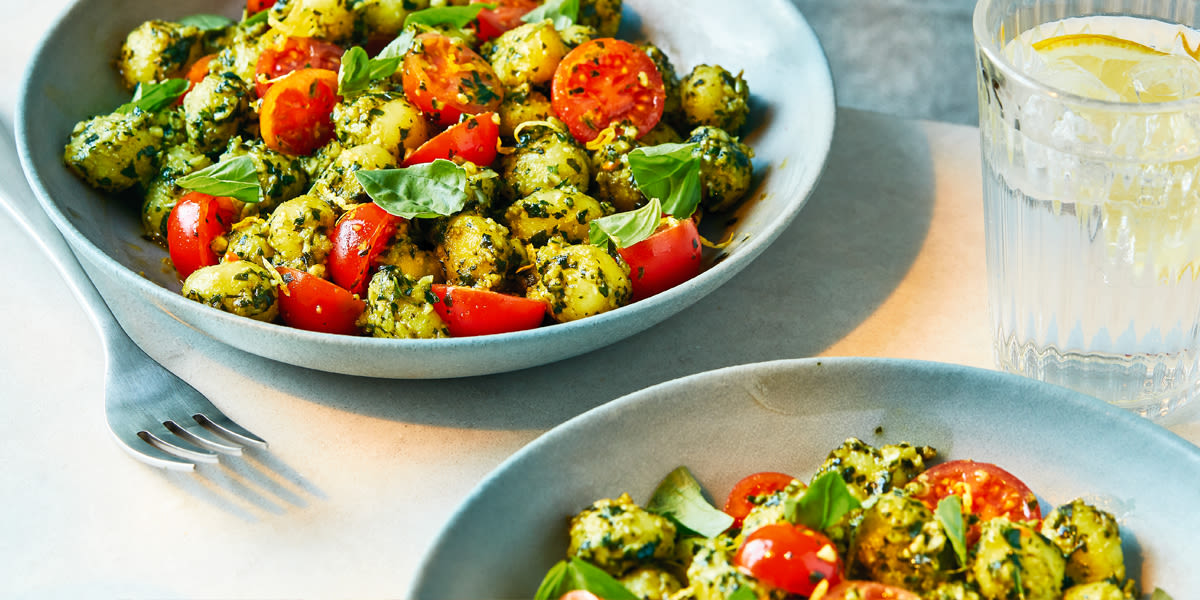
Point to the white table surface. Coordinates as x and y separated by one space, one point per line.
886 260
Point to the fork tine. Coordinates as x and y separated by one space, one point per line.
145 452
195 439
226 426
203 456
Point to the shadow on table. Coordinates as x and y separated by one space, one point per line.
845 253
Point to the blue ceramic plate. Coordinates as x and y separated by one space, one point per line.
71 78
786 416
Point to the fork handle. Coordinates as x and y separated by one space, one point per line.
18 198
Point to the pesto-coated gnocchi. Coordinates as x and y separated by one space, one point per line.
274 130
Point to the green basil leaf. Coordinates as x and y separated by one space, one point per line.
357 71
154 97
627 228
552 582
576 574
453 16
563 13
207 22
743 593
949 514
680 498
670 173
261 16
236 178
1160 595
824 503
429 190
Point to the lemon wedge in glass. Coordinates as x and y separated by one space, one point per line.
1106 67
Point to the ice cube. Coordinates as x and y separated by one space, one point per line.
1165 78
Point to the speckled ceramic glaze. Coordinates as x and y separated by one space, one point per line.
786 416
71 78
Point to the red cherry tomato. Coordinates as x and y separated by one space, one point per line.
740 501
295 115
360 235
196 72
664 260
868 590
606 81
293 54
256 6
309 302
196 220
446 79
474 140
790 557
986 491
471 311
506 15
580 595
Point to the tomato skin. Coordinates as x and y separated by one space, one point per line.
295 117
987 491
605 81
257 6
196 220
507 15
579 595
360 235
868 590
291 54
787 556
664 260
446 79
472 311
738 505
311 303
474 139
195 73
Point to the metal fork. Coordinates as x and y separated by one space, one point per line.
155 416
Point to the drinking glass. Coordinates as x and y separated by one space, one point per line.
1092 206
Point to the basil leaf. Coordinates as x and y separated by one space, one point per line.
949 514
236 178
627 228
439 16
563 13
206 22
743 593
153 97
680 498
552 582
576 574
429 190
824 503
357 71
1160 595
670 173
261 16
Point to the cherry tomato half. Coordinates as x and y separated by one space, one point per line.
195 73
295 115
580 595
196 220
311 303
606 81
472 311
445 79
790 557
741 499
664 260
474 140
986 491
360 235
868 590
292 54
506 15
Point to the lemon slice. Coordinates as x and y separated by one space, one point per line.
1106 67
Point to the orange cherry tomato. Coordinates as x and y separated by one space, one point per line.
256 6
606 81
742 498
194 223
664 260
195 73
295 115
291 54
360 235
445 79
506 15
472 311
474 139
868 590
311 303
